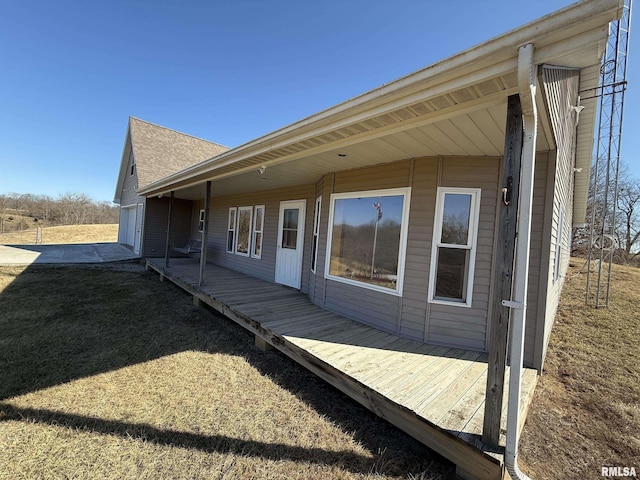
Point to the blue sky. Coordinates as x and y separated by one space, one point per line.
73 71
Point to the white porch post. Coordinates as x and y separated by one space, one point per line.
166 249
205 233
518 304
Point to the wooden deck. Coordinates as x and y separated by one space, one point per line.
436 394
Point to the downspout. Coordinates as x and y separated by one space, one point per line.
518 304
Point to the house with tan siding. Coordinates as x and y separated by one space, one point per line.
389 210
151 153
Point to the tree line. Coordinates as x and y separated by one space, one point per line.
21 211
621 232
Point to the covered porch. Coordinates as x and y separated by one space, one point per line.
435 394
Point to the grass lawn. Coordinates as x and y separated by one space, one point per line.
64 234
586 409
109 373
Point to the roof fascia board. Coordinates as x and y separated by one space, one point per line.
126 152
553 28
233 156
484 102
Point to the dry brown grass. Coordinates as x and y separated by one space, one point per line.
109 373
586 409
64 234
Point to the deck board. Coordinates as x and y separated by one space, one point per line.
435 393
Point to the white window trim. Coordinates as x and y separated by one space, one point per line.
472 242
404 227
257 230
559 236
235 246
201 220
316 233
231 227
133 166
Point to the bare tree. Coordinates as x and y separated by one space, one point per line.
629 217
626 227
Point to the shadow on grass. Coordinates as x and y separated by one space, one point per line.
206 443
64 323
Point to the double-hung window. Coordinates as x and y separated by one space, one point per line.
243 230
316 234
258 226
454 246
231 229
367 239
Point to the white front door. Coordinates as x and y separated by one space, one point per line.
290 243
138 239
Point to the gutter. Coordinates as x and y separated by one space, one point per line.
495 53
527 83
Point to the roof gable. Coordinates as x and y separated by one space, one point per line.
159 152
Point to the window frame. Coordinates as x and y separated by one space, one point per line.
133 165
316 234
201 221
472 244
558 250
402 246
231 228
255 231
248 208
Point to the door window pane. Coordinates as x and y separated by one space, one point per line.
290 219
289 239
290 228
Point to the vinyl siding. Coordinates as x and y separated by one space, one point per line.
130 187
155 229
128 197
264 267
410 315
378 309
414 319
561 91
454 325
537 270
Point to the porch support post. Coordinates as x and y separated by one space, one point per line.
506 241
527 83
205 234
166 248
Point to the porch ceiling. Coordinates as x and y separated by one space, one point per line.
455 107
476 133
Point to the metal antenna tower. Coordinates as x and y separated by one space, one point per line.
606 168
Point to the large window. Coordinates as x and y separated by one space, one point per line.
367 238
231 229
258 226
454 246
316 234
243 230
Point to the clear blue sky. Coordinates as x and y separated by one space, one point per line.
227 71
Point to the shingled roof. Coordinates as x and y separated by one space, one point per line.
160 152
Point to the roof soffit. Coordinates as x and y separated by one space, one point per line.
446 88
